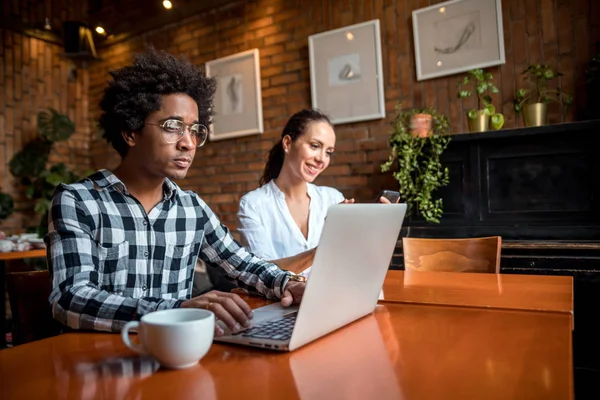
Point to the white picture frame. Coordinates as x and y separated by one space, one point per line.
457 36
238 98
346 73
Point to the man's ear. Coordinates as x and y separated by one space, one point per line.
129 138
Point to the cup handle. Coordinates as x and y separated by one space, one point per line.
138 348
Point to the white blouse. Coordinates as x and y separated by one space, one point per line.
266 225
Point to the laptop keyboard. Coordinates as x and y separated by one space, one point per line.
276 329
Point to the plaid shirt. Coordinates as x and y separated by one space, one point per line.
111 262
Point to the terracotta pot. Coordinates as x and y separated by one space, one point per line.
420 125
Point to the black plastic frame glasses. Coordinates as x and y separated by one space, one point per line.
174 129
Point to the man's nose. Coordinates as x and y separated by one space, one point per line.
186 141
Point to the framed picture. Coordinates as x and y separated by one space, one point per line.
346 77
456 36
238 99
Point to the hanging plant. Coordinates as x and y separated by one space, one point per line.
420 172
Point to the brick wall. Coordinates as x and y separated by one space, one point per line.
557 32
33 76
534 30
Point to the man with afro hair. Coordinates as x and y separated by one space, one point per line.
124 243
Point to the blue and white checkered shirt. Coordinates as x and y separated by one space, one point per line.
111 262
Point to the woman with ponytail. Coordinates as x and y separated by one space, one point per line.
284 217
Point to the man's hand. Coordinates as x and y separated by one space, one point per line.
228 307
347 201
292 294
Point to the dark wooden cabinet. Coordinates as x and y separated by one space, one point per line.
538 188
528 183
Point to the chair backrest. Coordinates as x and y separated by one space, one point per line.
28 293
453 255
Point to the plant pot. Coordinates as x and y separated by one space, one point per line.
535 114
480 123
420 125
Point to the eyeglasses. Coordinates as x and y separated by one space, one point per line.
174 129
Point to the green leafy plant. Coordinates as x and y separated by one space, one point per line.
6 205
539 75
482 84
30 164
420 172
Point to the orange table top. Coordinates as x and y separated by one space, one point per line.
18 255
402 351
519 292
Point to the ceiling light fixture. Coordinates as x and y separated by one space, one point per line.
100 30
167 4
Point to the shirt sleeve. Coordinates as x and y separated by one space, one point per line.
254 234
76 298
337 197
251 273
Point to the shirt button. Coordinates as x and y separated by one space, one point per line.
145 222
145 254
144 288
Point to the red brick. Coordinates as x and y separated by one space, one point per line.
259 23
285 57
278 38
350 181
284 78
271 71
268 30
274 91
270 50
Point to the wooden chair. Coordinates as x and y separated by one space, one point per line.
28 294
453 255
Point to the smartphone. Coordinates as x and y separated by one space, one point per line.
391 195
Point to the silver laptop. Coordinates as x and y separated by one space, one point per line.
354 253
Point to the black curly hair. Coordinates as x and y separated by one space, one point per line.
135 91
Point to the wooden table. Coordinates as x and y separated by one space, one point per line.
13 255
402 351
508 291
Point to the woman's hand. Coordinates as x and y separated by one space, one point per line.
228 307
384 200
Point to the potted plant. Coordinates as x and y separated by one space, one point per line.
482 84
6 205
420 172
533 102
30 164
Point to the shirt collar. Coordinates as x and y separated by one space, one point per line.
105 179
310 189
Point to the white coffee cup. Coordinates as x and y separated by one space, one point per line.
177 338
